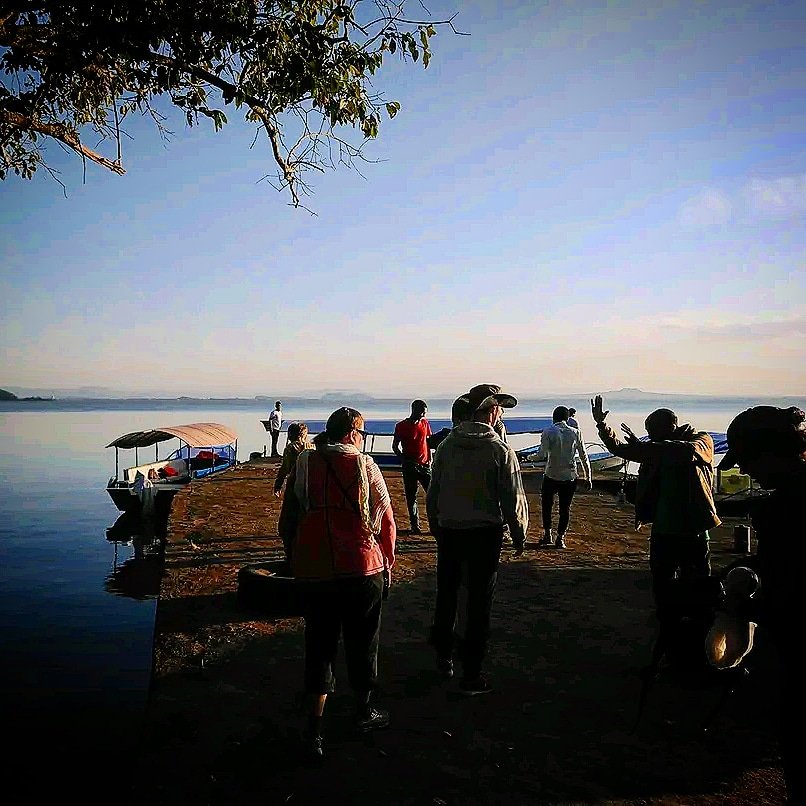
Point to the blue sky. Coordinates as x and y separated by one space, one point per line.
577 196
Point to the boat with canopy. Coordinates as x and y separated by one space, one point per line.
204 448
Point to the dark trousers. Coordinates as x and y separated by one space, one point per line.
790 727
350 608
687 556
478 551
414 474
275 435
564 490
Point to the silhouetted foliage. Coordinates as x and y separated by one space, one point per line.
300 70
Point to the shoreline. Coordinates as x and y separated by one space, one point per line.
570 632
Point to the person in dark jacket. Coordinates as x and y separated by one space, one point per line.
674 493
459 414
769 444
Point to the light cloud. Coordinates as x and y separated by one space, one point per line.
761 199
784 197
709 208
756 331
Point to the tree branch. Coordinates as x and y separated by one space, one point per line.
255 104
60 132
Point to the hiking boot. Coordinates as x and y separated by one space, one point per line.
473 686
373 719
547 540
445 667
312 747
560 544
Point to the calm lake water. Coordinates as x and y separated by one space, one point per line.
76 605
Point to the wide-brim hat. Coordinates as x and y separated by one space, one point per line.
485 395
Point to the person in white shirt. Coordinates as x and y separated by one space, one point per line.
559 446
275 421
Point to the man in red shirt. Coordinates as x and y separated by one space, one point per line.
410 443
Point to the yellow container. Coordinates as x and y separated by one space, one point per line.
732 481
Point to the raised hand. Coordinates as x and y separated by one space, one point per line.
597 410
629 433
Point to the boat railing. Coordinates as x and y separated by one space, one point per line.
370 445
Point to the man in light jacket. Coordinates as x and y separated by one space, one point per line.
560 444
275 423
476 490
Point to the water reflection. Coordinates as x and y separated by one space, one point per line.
138 575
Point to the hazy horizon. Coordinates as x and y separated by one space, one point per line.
99 393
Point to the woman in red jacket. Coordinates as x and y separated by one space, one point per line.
338 525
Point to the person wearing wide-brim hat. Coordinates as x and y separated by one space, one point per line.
769 444
476 491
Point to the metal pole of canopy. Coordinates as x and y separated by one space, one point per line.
137 456
117 465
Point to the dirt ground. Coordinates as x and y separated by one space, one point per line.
571 631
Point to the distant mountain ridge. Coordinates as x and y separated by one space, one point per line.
353 396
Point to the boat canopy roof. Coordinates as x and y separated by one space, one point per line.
196 435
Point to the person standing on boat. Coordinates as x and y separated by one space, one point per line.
476 490
674 493
572 420
769 444
275 421
410 443
559 446
338 523
297 443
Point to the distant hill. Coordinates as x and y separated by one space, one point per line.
348 397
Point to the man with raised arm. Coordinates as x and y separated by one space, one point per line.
674 493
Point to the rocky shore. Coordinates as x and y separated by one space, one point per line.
571 631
